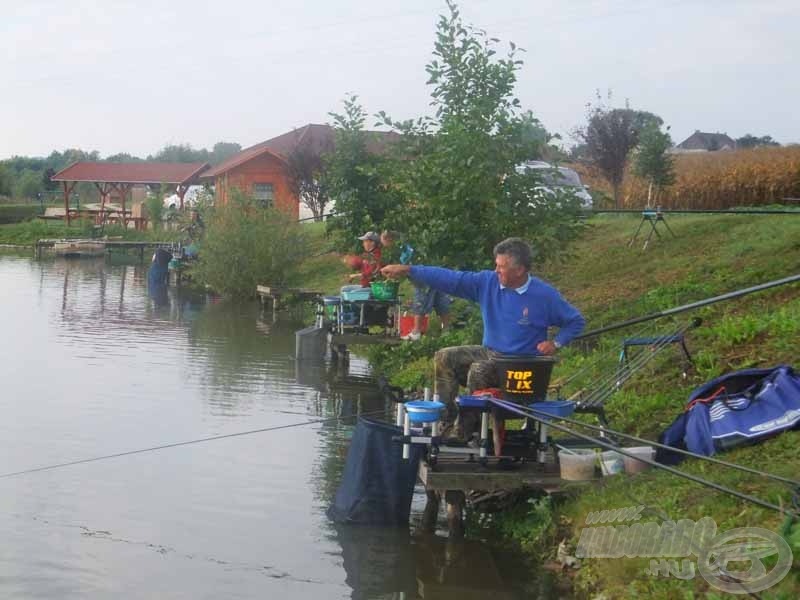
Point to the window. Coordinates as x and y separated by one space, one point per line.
264 194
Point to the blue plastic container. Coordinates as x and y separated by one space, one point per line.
555 408
424 411
354 293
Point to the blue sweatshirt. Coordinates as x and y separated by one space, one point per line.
513 323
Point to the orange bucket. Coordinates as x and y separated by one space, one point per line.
407 324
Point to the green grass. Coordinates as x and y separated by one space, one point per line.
610 282
28 232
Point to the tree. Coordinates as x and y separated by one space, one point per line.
751 141
28 184
6 185
222 151
122 157
609 137
180 153
455 173
305 170
653 161
353 177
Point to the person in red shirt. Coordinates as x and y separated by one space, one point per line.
369 263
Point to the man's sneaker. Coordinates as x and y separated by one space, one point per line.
412 337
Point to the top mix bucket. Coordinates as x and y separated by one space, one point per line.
524 380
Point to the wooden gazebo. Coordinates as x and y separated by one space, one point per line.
121 177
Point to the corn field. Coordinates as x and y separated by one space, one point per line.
715 180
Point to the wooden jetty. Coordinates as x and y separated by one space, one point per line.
109 245
271 295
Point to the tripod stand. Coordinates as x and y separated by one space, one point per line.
653 217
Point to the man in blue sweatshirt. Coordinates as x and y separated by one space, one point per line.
517 310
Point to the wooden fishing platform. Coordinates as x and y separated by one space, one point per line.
456 473
110 245
452 477
271 294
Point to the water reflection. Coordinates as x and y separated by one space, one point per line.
393 564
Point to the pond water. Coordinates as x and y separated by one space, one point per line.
91 365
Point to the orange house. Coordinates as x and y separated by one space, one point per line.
261 171
258 173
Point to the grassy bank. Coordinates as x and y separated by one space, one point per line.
610 282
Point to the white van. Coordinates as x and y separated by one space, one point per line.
558 178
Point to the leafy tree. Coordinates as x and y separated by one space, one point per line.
180 153
653 161
47 183
305 170
122 157
244 245
752 141
28 184
608 138
6 182
223 151
353 178
455 172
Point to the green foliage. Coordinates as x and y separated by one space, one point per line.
455 172
27 184
653 161
6 180
16 213
351 176
245 246
154 205
608 138
753 141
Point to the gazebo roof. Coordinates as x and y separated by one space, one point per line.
133 173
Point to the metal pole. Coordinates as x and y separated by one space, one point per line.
689 211
406 433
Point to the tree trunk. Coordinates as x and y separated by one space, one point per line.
617 194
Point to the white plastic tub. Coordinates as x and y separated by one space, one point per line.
611 462
635 466
577 464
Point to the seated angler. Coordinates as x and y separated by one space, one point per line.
517 310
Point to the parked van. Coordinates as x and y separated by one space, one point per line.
558 178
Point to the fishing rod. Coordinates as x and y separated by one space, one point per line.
628 369
186 443
546 419
692 306
588 366
710 459
689 211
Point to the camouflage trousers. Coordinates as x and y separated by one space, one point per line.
470 366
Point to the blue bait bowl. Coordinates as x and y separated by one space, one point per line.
424 411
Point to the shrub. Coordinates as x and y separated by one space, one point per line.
244 246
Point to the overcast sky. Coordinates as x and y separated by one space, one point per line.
132 76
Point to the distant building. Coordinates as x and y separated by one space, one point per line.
700 141
261 170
